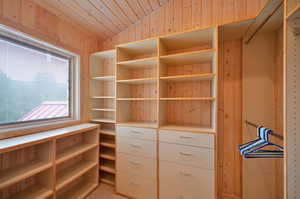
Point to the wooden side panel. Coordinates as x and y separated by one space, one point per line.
229 120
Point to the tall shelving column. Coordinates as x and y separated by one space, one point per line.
137 94
103 109
188 81
292 98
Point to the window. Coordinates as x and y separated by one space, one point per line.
37 81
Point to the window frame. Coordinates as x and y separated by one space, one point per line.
74 83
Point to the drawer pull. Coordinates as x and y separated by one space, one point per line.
185 174
134 183
186 137
134 163
136 132
135 145
185 154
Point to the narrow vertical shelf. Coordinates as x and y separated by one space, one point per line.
103 104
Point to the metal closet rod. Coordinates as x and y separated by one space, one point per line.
274 134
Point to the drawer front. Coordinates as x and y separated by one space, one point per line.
136 187
137 133
185 182
136 147
187 138
187 155
136 166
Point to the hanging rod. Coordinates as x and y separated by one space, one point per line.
274 134
260 26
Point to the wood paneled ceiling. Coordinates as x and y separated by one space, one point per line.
104 17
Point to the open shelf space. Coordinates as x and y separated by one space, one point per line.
107 129
145 68
107 166
107 153
188 58
139 124
103 88
193 77
107 178
137 50
103 104
81 187
103 116
103 64
37 158
73 145
188 41
69 171
187 114
135 112
107 141
37 186
187 88
196 129
141 90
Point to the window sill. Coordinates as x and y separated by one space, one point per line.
20 130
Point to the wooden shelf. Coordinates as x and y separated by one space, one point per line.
138 81
110 143
107 178
187 128
103 109
150 62
108 155
36 191
139 124
135 99
108 168
188 58
103 97
14 175
68 175
73 151
79 191
103 120
104 78
107 54
110 132
190 98
179 78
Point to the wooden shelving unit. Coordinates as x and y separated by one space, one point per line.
188 81
51 162
293 8
103 105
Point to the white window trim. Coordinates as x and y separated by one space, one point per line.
74 81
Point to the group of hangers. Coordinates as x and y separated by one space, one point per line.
261 147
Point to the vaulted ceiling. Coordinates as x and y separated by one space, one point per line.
104 17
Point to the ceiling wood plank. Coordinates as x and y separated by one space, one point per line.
135 5
162 2
101 7
117 11
146 6
154 4
99 16
77 9
128 10
60 10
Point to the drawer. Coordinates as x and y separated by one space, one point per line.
187 155
136 147
137 133
182 182
137 166
187 138
136 187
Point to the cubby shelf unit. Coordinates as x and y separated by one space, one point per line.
103 107
52 162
